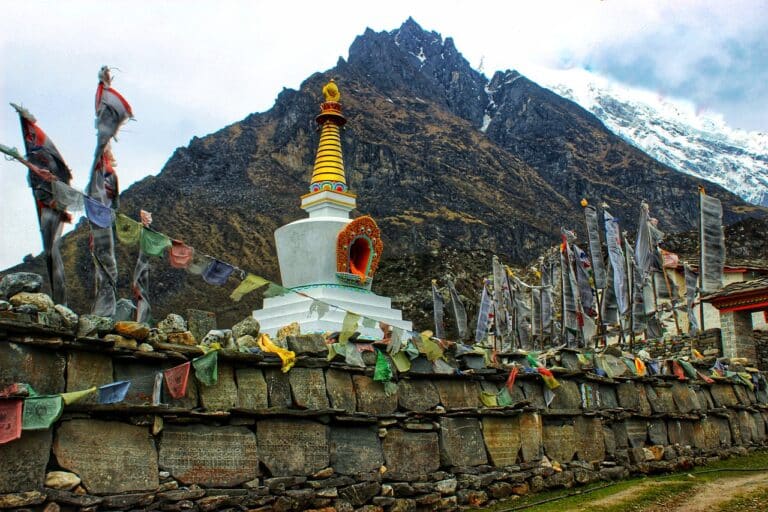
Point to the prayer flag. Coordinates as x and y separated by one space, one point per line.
427 347
319 308
390 388
511 378
595 250
287 357
127 230
500 289
504 398
180 254
40 412
217 273
402 362
67 197
705 378
677 370
483 315
382 371
640 367
712 241
459 313
112 110
157 388
275 290
616 256
199 263
548 378
153 243
75 396
207 368
348 326
691 280
10 420
532 360
114 392
176 380
489 399
438 310
98 213
689 370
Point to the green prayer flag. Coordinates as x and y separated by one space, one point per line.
504 398
489 399
411 350
382 372
689 370
275 290
153 243
40 412
207 368
402 362
348 326
128 231
532 360
74 396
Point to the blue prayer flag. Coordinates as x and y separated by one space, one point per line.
114 392
217 272
99 214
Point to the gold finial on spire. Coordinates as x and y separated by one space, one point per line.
328 173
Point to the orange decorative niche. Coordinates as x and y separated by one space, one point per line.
358 250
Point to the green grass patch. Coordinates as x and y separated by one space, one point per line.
752 501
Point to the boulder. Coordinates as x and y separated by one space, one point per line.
172 323
291 329
135 330
181 338
69 318
40 300
90 326
249 326
17 282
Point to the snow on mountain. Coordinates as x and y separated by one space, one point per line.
672 131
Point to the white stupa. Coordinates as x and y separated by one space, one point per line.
329 258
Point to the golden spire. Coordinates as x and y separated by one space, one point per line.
328 173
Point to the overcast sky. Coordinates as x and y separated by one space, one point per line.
189 68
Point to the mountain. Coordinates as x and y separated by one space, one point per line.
453 166
673 133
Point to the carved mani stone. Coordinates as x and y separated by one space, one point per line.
23 461
502 439
461 443
292 447
355 451
409 455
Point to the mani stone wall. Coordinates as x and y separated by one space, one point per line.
708 343
325 435
761 347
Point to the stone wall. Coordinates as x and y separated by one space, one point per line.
708 343
326 435
761 347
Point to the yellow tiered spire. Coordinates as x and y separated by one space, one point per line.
328 173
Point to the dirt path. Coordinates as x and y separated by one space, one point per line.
624 496
718 492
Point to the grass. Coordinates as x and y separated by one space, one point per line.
657 492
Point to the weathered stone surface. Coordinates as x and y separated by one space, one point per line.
135 330
590 395
16 282
458 394
680 432
126 501
278 388
308 344
661 399
119 341
355 451
88 369
742 395
72 498
251 388
567 396
628 396
590 445
23 461
461 443
608 397
292 447
534 393
759 426
172 323
637 432
40 300
530 435
21 499
142 377
359 494
248 326
68 317
42 369
182 338
723 395
308 388
724 430
502 439
685 398
657 431
409 455
417 395
559 440
110 457
371 397
747 427
620 435
200 322
609 440
209 456
340 390
222 396
94 325
62 480
705 398
711 434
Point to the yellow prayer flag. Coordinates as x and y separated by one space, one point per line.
251 283
348 326
286 356
489 399
74 396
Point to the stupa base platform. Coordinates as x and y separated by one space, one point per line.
286 309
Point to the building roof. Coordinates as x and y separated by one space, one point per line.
742 295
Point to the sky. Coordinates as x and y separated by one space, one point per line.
189 68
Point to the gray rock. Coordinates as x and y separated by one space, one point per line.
90 326
69 317
249 326
172 323
12 284
125 310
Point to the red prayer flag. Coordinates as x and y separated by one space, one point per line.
180 255
511 378
10 420
176 380
677 370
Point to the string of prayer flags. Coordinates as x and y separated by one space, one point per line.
348 326
396 340
382 372
99 214
370 323
157 388
10 420
548 378
287 357
114 392
251 283
217 272
40 412
127 230
67 197
180 254
207 368
319 308
696 354
75 396
153 243
176 380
